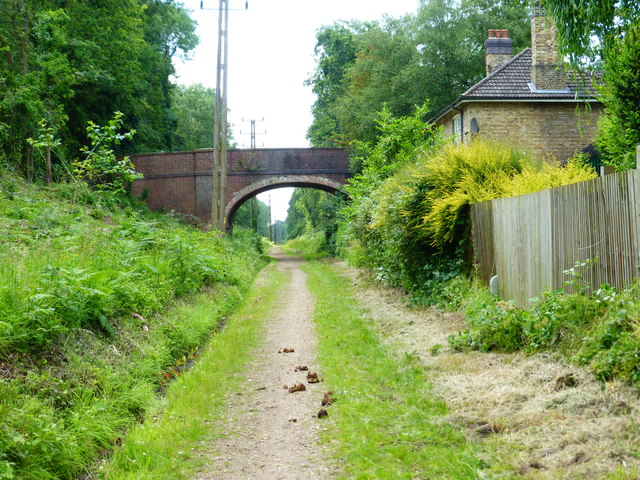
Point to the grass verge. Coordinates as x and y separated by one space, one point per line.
386 423
165 445
311 246
94 290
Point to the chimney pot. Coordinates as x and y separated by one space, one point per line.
498 49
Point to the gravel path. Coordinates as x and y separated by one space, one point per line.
272 433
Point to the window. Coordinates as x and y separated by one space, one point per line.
457 128
474 128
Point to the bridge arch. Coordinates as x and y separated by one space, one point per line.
183 181
271 183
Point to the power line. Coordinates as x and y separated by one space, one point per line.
252 131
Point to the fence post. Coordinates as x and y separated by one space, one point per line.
637 156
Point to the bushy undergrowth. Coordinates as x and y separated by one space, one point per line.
408 222
311 245
86 342
412 228
601 330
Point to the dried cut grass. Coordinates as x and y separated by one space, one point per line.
535 416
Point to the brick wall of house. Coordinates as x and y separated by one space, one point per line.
544 129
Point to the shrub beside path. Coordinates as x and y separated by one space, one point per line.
270 432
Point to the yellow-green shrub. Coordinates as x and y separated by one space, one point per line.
460 175
412 228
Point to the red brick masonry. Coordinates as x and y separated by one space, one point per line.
182 181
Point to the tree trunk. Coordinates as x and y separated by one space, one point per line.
49 173
29 154
24 40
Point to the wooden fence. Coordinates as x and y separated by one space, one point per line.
530 240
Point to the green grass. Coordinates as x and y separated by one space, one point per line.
163 446
386 423
311 246
94 295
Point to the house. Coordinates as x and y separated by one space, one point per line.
527 100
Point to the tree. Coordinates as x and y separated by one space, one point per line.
46 141
35 78
432 55
253 213
313 211
385 73
169 31
100 166
619 132
450 37
335 52
73 62
193 107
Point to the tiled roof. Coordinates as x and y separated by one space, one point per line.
513 81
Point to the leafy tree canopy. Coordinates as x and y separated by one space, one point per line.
619 132
253 215
193 107
74 62
432 55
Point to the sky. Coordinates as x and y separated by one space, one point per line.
270 56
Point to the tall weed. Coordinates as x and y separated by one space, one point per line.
600 330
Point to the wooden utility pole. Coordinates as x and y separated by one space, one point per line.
270 229
218 194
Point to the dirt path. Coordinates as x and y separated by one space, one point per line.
270 433
546 419
542 418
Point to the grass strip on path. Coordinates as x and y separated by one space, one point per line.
386 420
166 445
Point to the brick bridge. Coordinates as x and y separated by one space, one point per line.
182 181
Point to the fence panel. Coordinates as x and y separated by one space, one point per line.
482 231
530 240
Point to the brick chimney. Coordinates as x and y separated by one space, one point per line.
546 73
498 49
